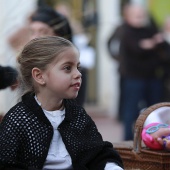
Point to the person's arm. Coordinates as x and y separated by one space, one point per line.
106 153
114 41
151 43
9 141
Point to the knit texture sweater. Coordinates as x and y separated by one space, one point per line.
26 133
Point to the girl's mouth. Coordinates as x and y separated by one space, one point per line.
76 86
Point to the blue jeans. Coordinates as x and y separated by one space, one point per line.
135 91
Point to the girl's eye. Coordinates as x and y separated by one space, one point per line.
68 68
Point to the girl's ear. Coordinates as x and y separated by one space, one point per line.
37 76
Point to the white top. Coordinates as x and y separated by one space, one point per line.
58 156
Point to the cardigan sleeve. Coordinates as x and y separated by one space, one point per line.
106 153
9 141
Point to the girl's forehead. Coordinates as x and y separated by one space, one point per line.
70 54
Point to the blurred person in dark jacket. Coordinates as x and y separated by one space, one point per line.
140 65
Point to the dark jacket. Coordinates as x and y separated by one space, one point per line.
135 62
26 133
8 76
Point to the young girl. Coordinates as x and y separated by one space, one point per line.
47 129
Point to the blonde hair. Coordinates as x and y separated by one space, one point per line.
39 53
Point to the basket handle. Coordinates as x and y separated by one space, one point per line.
137 142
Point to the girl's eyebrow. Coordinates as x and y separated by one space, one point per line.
71 63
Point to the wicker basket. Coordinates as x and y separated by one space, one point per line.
135 155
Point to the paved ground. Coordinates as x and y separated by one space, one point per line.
110 128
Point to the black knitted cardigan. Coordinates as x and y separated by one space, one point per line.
26 133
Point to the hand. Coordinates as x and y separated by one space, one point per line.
147 44
166 143
159 134
158 38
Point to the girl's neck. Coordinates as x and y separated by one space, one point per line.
49 104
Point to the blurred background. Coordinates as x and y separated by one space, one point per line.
97 19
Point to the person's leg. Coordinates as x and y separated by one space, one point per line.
120 114
154 91
132 94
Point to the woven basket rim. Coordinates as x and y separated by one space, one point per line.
137 141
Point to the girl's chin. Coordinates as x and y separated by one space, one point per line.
72 97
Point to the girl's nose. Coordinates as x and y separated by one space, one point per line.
78 74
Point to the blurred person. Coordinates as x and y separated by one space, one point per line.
46 21
113 46
139 65
43 22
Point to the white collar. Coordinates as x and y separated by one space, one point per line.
53 113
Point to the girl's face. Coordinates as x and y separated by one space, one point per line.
62 77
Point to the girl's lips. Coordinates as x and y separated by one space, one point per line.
76 86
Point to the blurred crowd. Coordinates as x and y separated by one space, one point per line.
140 47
